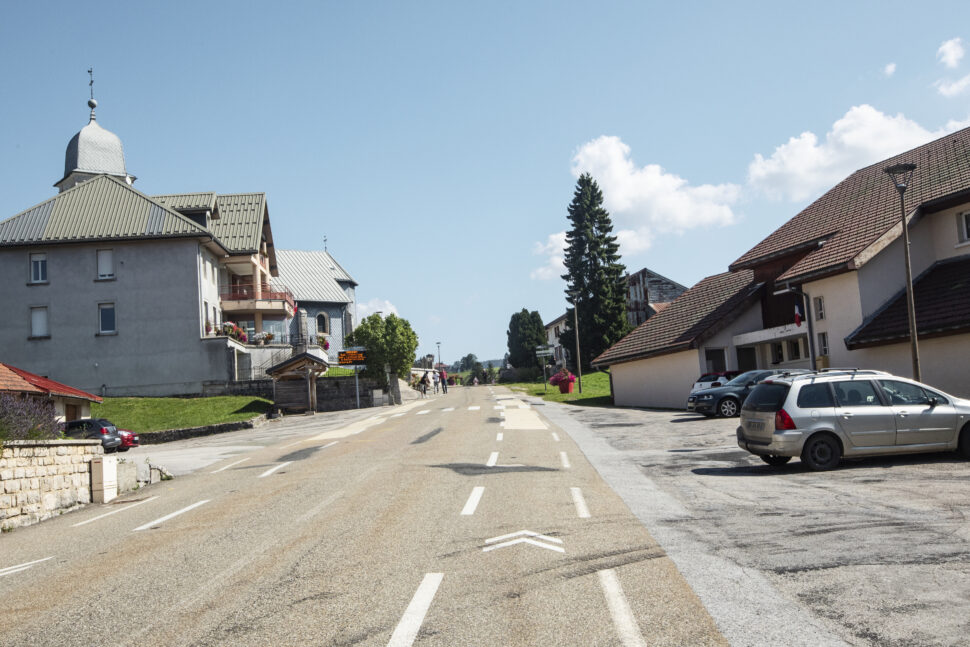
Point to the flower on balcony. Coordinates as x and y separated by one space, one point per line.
230 329
208 327
323 342
562 377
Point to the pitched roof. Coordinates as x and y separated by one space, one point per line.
312 276
862 208
103 208
942 302
693 316
188 201
240 224
20 381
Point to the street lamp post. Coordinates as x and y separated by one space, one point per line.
902 175
439 352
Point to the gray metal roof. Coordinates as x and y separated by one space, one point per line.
240 224
103 208
312 276
188 201
95 150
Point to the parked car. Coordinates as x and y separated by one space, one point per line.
826 415
94 429
129 439
726 400
711 380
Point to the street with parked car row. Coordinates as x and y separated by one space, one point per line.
481 518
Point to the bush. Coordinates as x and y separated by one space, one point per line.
27 418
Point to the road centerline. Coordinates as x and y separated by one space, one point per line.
473 499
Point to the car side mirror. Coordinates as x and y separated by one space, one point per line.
934 401
751 383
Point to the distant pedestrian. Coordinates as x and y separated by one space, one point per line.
436 379
475 382
425 382
444 381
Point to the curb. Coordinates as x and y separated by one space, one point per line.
171 435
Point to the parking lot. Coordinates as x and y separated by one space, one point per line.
872 553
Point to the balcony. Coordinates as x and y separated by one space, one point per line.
240 299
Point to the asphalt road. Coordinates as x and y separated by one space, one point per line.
468 519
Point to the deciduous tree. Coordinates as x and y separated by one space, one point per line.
389 341
526 331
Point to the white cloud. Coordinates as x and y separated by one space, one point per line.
804 166
889 70
554 251
646 201
368 308
953 88
950 53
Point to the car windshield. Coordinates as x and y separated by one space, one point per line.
744 378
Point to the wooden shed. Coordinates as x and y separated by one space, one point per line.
295 382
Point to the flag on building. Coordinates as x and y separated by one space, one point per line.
798 315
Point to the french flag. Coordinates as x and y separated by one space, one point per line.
798 315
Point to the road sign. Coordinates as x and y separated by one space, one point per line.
544 353
352 358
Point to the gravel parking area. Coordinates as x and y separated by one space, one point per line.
876 552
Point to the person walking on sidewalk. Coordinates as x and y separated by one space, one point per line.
425 381
436 379
444 381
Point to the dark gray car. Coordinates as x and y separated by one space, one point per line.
726 400
94 429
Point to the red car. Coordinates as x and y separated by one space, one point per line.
129 439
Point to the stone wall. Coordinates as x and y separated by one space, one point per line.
339 393
41 478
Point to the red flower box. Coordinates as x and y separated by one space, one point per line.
566 387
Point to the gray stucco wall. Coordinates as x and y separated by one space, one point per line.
335 311
157 349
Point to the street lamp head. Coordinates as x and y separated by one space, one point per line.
901 174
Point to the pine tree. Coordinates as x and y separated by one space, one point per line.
594 275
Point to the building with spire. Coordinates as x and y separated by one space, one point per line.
123 293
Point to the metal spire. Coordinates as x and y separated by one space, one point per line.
91 102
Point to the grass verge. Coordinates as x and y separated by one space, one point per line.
145 415
596 391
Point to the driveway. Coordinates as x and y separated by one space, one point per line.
873 553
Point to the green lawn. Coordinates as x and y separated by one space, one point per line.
157 414
596 391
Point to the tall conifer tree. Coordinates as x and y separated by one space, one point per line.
594 275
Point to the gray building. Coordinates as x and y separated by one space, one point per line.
324 290
121 293
647 293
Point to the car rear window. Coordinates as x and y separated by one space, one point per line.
815 395
766 397
708 377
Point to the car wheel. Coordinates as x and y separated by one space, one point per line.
776 461
727 408
964 446
821 452
123 449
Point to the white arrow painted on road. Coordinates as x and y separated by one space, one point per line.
507 540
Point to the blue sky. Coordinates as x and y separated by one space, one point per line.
437 144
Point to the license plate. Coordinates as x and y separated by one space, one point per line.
755 425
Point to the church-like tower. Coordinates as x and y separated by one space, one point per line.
93 151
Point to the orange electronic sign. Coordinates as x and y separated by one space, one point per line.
352 357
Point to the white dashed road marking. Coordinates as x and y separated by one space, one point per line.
555 436
10 570
171 516
121 509
474 408
473 500
230 465
623 619
564 459
407 629
273 469
581 510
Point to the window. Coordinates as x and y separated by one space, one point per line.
904 392
856 394
794 349
819 308
963 224
106 318
38 322
348 323
106 265
38 268
777 354
823 343
323 324
815 395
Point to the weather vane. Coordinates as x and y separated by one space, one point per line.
324 243
91 82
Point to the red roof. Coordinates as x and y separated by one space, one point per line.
860 209
20 381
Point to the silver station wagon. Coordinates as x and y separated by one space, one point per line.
825 415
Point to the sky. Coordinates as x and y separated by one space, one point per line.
436 145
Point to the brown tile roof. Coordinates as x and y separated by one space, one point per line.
20 381
660 306
693 316
864 206
942 303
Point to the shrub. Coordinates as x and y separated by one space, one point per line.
27 418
